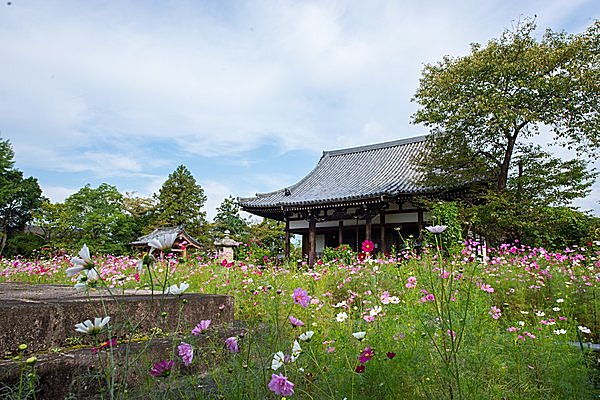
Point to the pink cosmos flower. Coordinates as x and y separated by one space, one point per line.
495 312
301 297
232 344
201 327
411 282
368 246
390 355
186 351
281 385
366 355
162 369
487 288
295 321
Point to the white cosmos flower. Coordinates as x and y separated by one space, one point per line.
359 335
540 313
394 299
341 317
92 328
177 290
437 229
340 304
584 329
88 277
163 242
560 331
278 360
296 350
84 261
306 336
375 310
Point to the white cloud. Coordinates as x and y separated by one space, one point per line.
102 88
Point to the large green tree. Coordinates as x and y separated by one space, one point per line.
19 196
180 202
483 110
482 107
95 216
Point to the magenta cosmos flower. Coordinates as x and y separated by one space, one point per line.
295 321
280 385
368 246
201 327
162 369
186 351
301 297
366 355
232 344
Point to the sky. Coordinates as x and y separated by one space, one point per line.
246 94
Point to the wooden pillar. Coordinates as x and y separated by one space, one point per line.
341 232
287 239
382 246
368 227
312 240
420 222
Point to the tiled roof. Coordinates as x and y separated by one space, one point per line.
372 171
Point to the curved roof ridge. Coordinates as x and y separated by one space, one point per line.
376 146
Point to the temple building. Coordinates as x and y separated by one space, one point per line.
368 192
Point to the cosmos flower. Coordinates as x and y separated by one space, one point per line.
92 328
281 385
296 350
162 242
186 351
84 261
295 321
437 229
366 355
201 327
232 344
162 369
359 335
278 360
368 246
301 297
341 317
306 336
178 290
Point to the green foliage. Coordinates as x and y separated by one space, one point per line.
482 109
7 156
180 203
19 197
23 244
343 253
228 218
95 217
264 240
448 214
141 212
503 218
479 106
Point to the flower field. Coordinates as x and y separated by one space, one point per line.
506 323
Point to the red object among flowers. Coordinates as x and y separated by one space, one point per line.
368 246
360 369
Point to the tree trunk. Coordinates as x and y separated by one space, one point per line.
505 167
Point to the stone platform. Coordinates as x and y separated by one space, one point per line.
44 316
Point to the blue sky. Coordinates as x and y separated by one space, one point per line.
246 94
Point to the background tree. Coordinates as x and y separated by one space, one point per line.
228 218
482 108
19 196
141 211
96 217
180 202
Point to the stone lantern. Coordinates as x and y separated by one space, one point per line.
225 247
